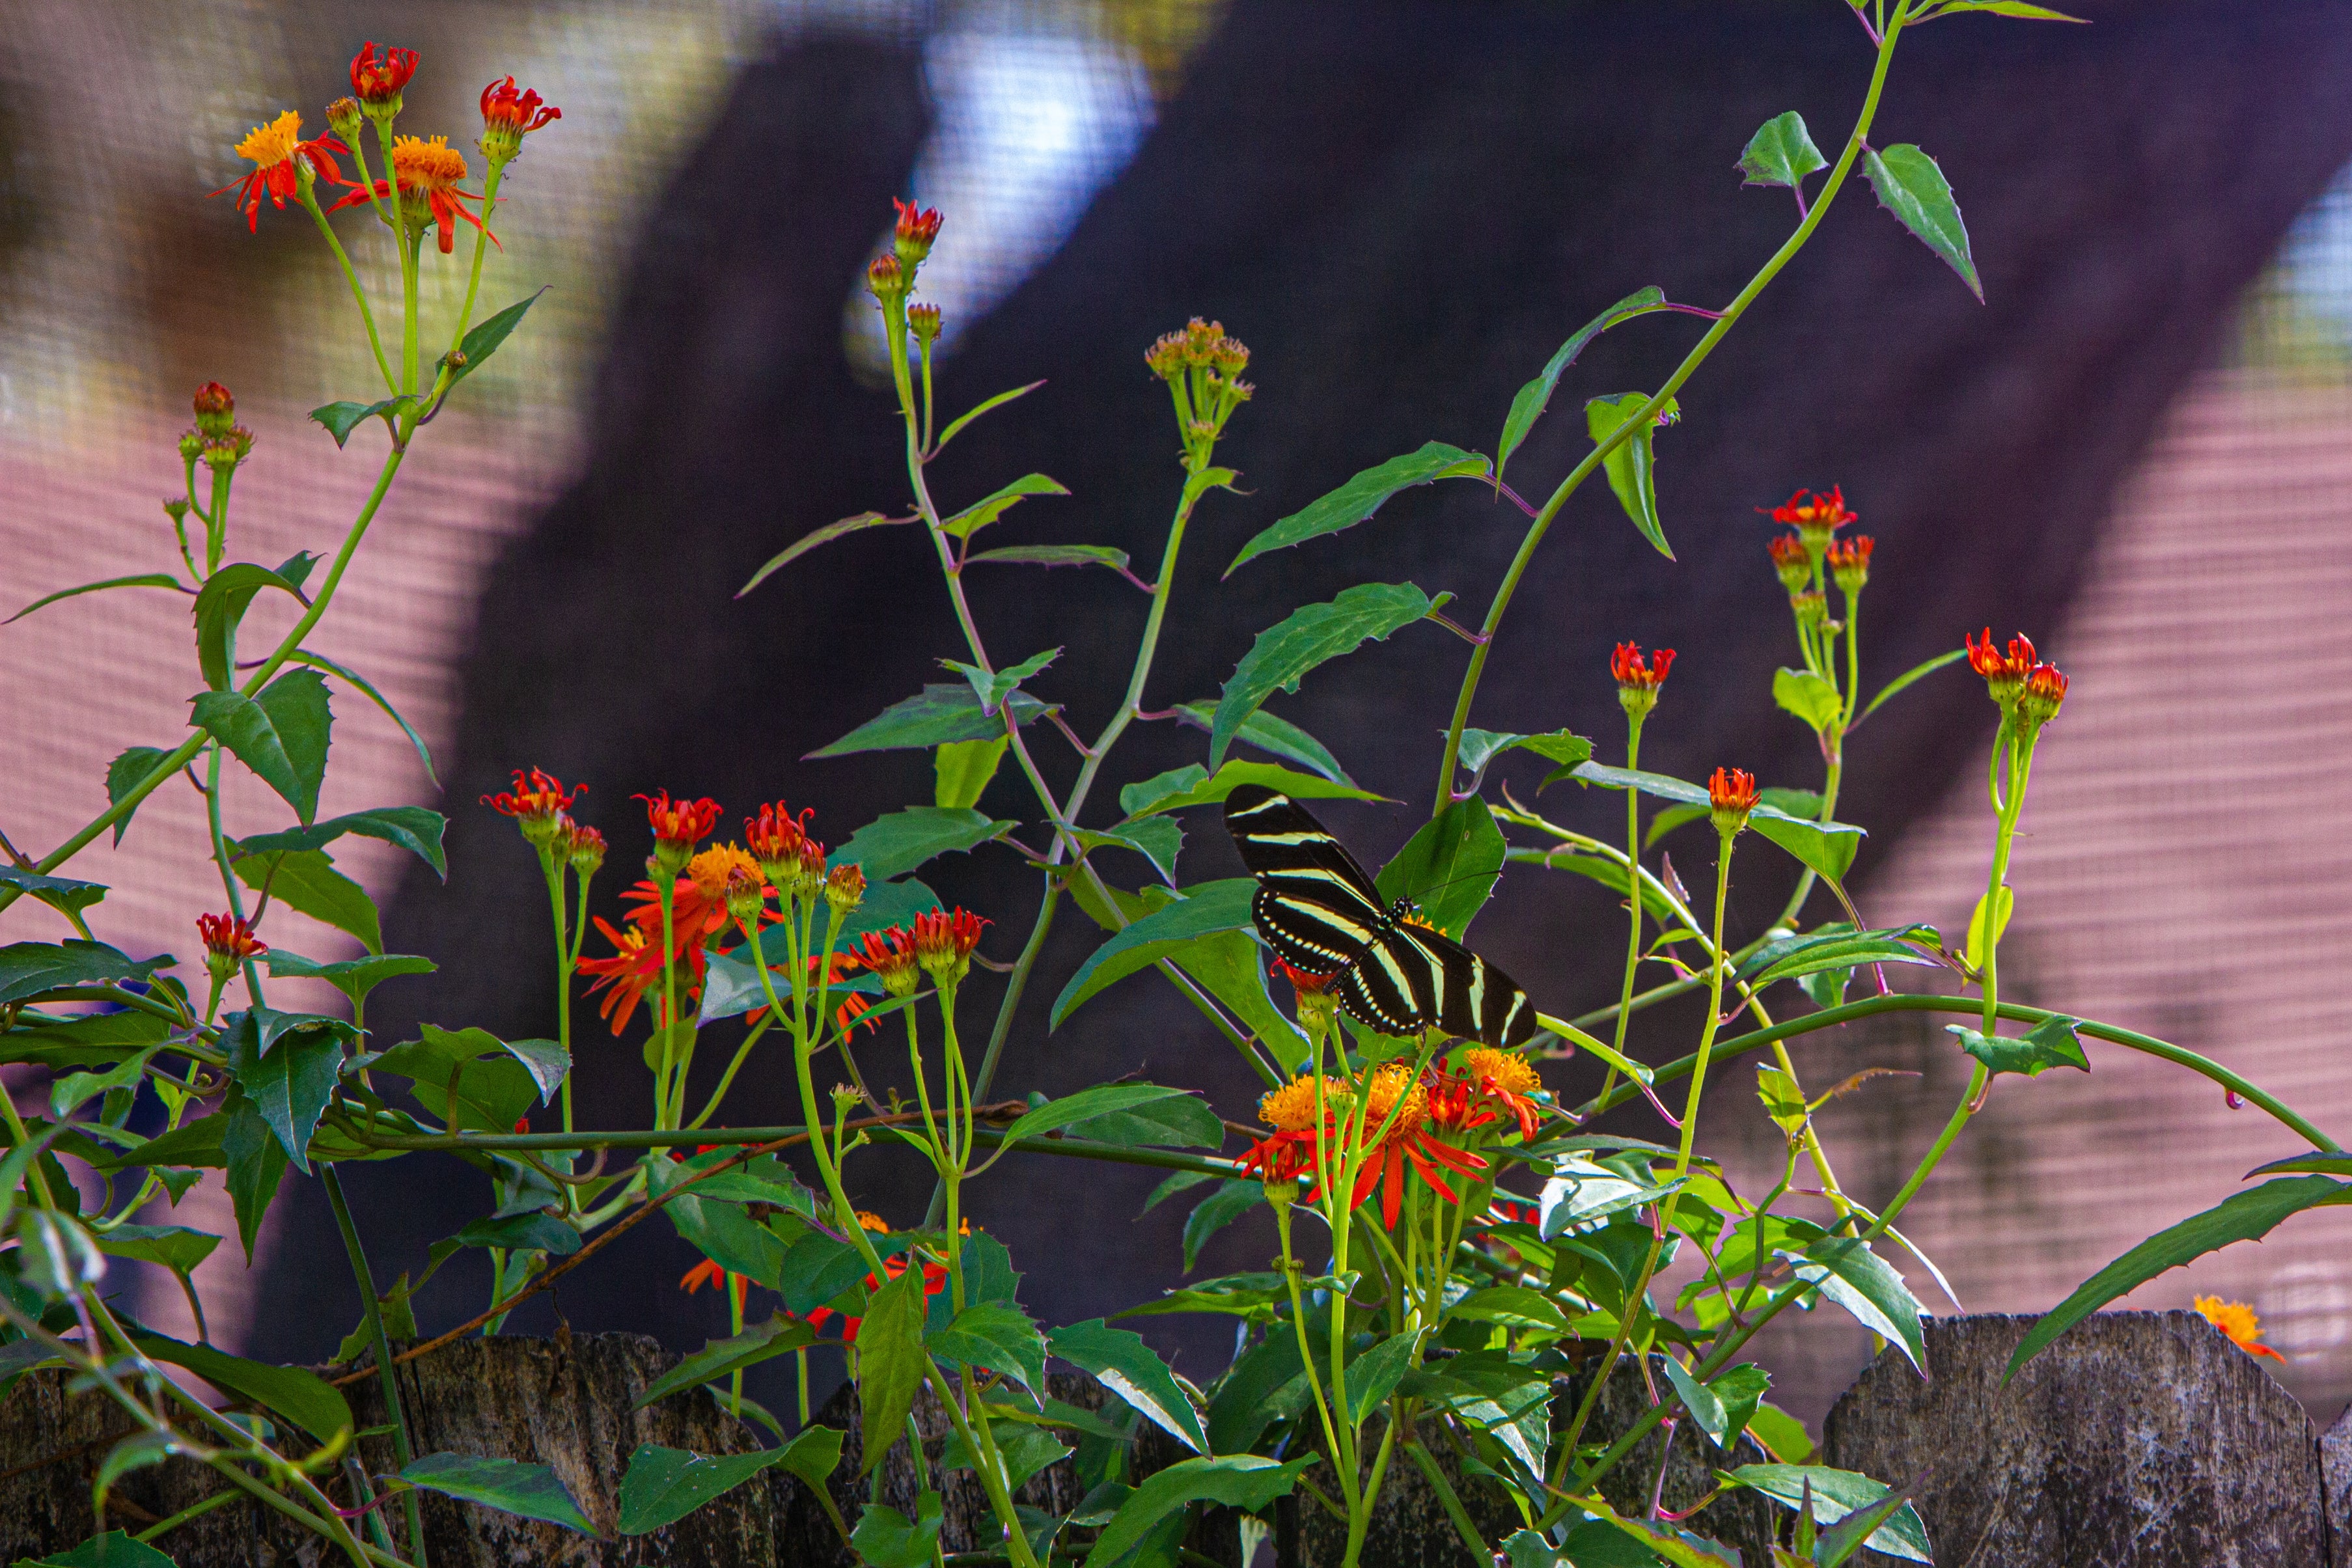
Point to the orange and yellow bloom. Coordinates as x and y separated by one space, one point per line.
2238 1322
425 174
279 155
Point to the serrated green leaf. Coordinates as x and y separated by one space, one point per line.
2242 1216
342 418
1448 867
306 879
1835 1494
483 340
221 604
1848 1273
1188 786
70 1092
890 1360
992 687
1781 152
2050 1044
962 770
1528 404
61 893
892 845
1156 839
885 1538
1632 464
1050 556
112 1550
412 828
811 540
1911 186
282 735
532 1492
1206 907
296 1393
1828 848
934 716
995 1336
345 673
127 772
663 1486
987 509
287 1065
1707 1411
1283 654
464 1077
355 978
1360 496
1268 733
1124 1364
143 580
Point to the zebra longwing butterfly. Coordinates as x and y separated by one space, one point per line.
1322 915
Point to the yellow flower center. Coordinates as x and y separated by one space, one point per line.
711 868
422 165
1291 1108
2235 1319
272 144
1512 1075
1394 1087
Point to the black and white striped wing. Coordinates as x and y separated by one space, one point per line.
1314 904
1413 979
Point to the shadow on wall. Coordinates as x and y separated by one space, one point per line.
1402 208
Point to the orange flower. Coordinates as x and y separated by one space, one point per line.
1632 671
710 1273
229 942
2237 1321
944 940
2004 676
278 150
632 970
1791 560
379 73
918 228
2045 690
1731 796
1302 982
1396 1120
509 116
1815 514
427 175
1850 562
890 955
538 806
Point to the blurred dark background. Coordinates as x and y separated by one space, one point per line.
2132 449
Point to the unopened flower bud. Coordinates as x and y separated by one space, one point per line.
1731 796
223 453
844 887
1791 562
747 894
804 878
343 119
889 956
2044 690
944 940
885 279
1850 563
917 230
1166 356
843 1096
925 320
192 446
216 409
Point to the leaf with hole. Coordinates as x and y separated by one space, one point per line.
1911 186
510 1485
1309 637
1632 464
1355 501
1528 404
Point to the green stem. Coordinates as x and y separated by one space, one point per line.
481 244
1633 894
1726 838
372 1314
1648 412
662 1117
351 277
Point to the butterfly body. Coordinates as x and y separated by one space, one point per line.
1322 915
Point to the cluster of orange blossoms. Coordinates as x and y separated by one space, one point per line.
1420 1125
2019 679
424 172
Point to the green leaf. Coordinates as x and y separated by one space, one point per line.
1742 1390
996 1336
423 753
1783 1436
412 828
987 509
663 1486
890 1361
1836 947
1677 1547
1915 672
112 1550
992 688
1705 1410
1631 465
1246 1481
127 772
288 1064
464 1077
342 418
1527 405
1911 187
885 1538
1283 654
1124 1364
1803 804
1256 1297
1052 555
1156 839
2317 1161
1781 152
67 1094
1513 1306
483 341
999 400
2242 1216
892 845
963 769
2022 8
144 580
2005 905
1182 788
300 1395
1448 867
1360 497
809 541
1848 1273
1213 1213
355 978
937 715
1269 734
174 1247
1102 1101
1508 1401
1232 966
1828 848
1205 907
306 879
814 1454
221 603
1582 1191
1373 1375
1611 875
510 1485
2050 1044
1481 747
1811 697
255 1162
281 735
1835 1494
61 893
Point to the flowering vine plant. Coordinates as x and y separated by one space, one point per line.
1462 1264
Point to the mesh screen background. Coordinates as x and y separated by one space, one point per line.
2182 871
